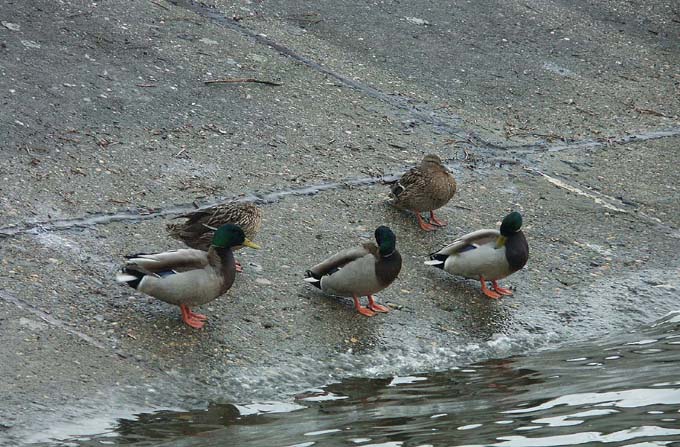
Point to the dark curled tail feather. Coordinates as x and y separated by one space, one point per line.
136 255
439 257
134 283
310 274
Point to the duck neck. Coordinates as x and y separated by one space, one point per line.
388 267
516 250
223 260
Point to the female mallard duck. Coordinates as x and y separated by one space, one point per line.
425 188
360 271
187 277
486 255
197 231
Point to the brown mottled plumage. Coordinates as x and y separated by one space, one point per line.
198 228
426 187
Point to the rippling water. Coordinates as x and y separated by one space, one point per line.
622 390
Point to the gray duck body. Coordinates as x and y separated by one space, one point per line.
188 276
359 271
477 255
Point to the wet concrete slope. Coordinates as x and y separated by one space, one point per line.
108 130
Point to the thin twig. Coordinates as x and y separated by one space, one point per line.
159 5
648 112
146 85
180 152
585 111
232 81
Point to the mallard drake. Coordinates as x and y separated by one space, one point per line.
187 277
426 187
486 255
198 228
360 271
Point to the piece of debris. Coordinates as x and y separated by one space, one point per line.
238 80
30 44
649 112
417 21
11 26
207 41
160 5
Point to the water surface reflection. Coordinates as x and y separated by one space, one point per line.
621 391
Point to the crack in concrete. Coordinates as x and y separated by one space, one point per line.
422 112
566 186
419 111
444 124
603 200
64 326
311 190
175 210
594 143
21 304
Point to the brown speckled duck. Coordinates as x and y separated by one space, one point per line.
486 255
360 271
426 187
198 228
187 277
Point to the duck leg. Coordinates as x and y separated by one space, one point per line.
436 221
361 309
375 306
499 289
191 318
424 225
238 267
490 293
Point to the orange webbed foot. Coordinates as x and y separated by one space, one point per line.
490 293
199 317
435 221
424 225
361 309
365 311
375 306
192 319
238 267
194 323
499 289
